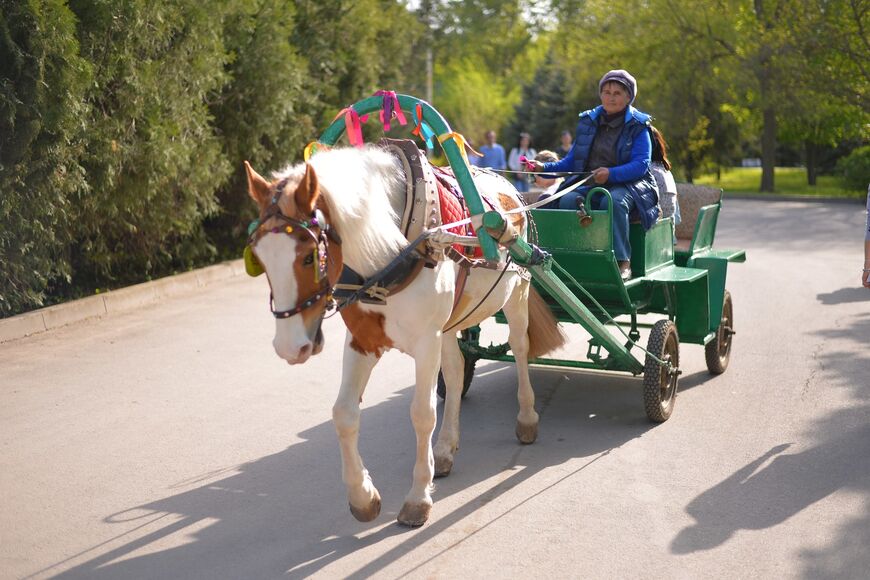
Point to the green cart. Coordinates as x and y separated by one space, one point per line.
579 277
576 271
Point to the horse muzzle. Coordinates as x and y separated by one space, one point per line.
297 351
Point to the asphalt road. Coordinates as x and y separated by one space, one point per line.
171 442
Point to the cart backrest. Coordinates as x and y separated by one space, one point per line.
698 220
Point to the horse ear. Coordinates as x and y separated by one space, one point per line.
308 191
258 188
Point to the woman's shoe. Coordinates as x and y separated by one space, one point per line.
625 269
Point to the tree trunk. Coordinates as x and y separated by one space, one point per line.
811 162
768 146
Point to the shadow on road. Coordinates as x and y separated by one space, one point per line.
845 295
778 485
286 514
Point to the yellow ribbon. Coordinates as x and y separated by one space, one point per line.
312 148
460 142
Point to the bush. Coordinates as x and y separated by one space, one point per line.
153 160
854 169
42 80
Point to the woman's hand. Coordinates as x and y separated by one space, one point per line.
601 175
533 165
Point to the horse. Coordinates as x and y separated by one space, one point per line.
342 208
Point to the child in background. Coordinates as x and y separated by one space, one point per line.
661 170
548 184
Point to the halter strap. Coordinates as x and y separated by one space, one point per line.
317 220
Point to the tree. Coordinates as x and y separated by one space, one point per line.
153 161
544 111
42 80
262 112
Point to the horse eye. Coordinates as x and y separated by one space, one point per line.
309 260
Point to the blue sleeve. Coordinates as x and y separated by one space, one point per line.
564 164
641 152
502 161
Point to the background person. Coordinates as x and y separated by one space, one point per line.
547 184
523 149
865 275
613 142
567 141
661 170
493 153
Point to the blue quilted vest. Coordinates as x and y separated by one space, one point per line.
644 191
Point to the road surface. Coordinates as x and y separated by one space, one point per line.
171 442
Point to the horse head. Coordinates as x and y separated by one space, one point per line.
293 243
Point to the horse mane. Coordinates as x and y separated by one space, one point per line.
361 188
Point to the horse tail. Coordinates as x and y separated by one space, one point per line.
545 334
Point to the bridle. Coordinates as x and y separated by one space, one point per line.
320 233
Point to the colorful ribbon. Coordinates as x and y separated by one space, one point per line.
390 108
461 143
352 125
313 148
421 128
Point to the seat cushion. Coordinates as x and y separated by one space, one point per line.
692 198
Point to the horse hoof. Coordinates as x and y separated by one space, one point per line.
527 434
414 515
443 466
369 512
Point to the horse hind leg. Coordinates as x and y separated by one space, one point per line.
448 436
362 495
517 313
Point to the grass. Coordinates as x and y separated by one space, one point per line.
786 181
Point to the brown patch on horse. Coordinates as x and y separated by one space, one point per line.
508 203
367 329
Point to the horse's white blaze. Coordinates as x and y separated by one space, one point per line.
293 341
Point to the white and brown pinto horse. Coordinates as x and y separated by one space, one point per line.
358 194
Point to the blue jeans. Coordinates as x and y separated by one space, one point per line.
623 203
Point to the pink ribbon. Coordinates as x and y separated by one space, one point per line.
391 107
352 125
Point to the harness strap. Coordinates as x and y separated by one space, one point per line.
395 277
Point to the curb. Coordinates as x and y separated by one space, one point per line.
776 197
115 301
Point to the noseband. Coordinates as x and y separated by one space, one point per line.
289 225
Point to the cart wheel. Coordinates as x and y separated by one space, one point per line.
660 383
718 351
467 375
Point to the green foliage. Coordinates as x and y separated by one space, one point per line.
544 111
789 181
472 99
124 123
855 168
153 160
262 113
42 80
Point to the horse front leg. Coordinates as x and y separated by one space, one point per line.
517 313
418 502
452 364
363 497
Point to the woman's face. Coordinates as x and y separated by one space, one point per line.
614 98
524 142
